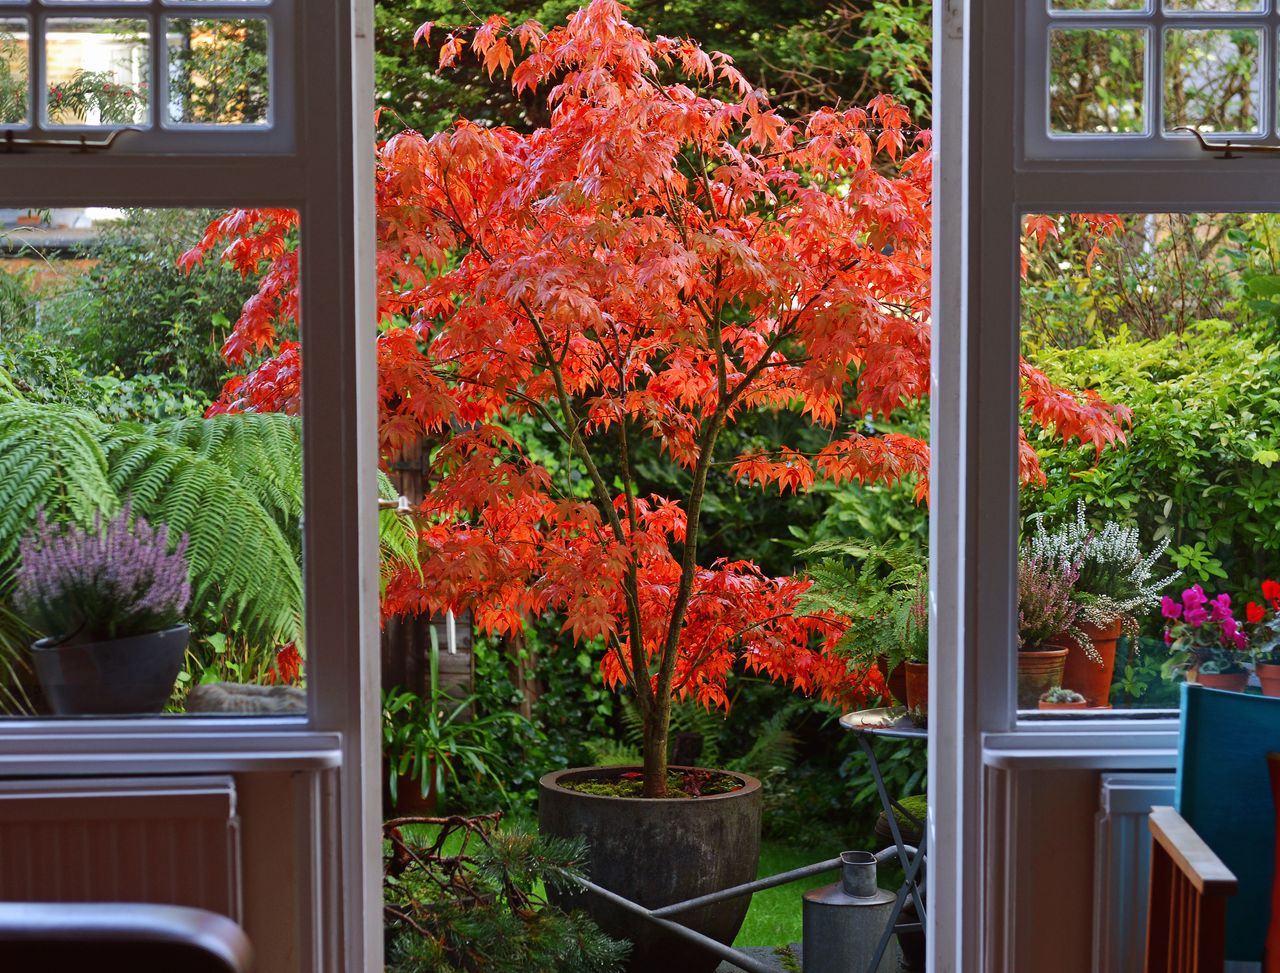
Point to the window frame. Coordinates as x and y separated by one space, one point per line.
1039 21
327 176
985 181
277 135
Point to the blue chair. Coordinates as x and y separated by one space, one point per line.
1220 839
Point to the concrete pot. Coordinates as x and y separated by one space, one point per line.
120 677
656 852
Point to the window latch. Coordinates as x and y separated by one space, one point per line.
81 146
1229 149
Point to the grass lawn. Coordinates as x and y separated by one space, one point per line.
775 918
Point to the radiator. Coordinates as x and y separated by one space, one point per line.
1122 850
170 840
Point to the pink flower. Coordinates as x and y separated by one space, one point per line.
1168 638
1196 616
1220 608
1170 608
1240 641
1194 597
1229 628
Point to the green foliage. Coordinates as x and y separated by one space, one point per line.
431 739
879 593
134 312
244 558
460 904
1198 466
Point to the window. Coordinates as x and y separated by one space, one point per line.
1121 78
160 74
305 149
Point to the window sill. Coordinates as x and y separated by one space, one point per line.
1123 741
32 748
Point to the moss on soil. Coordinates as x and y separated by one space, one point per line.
679 784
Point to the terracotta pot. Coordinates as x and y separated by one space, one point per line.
1083 704
895 680
1038 672
917 687
1269 678
1232 682
1091 679
409 799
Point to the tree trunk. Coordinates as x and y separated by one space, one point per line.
656 729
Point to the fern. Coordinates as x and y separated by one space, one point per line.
243 566
397 536
773 746
50 457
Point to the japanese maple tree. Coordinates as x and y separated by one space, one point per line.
666 256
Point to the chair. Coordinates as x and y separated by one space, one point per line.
138 937
1219 841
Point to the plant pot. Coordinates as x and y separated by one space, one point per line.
409 799
1269 678
896 680
1083 704
1232 682
917 687
656 852
1038 672
131 676
1091 679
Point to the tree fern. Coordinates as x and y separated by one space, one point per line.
397 535
50 457
243 566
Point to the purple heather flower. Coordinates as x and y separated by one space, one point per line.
1170 608
116 580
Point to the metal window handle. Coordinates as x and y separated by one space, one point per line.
81 145
1229 149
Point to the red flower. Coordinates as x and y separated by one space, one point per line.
1271 592
288 667
1253 612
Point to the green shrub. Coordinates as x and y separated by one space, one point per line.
1198 467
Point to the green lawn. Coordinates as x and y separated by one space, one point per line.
774 917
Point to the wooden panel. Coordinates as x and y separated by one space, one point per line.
406 659
1186 917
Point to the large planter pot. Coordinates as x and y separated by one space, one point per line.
1091 679
131 676
1269 678
656 852
1233 682
1038 672
917 687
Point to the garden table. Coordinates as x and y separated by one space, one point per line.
893 722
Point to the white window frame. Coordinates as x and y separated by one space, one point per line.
1154 143
158 134
985 181
328 177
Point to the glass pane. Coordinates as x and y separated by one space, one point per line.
1213 5
1097 5
1096 81
1171 317
128 390
14 91
98 71
218 71
1212 79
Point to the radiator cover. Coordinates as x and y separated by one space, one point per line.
170 840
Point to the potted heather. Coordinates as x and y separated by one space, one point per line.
1205 641
1115 584
1046 610
109 602
1265 640
1061 698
